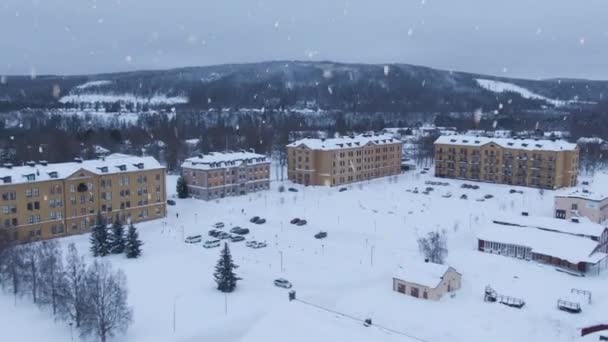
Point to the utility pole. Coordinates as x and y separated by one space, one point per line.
371 257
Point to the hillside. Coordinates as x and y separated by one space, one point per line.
301 85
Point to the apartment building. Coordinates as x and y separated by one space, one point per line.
337 161
42 201
218 174
548 164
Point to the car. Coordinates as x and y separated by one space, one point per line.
254 219
301 223
464 196
447 195
465 186
260 221
213 232
250 243
342 189
284 283
321 235
193 239
292 189
237 238
223 235
425 192
218 225
259 245
423 172
239 231
170 202
474 187
294 221
428 182
481 199
488 196
429 189
211 243
415 190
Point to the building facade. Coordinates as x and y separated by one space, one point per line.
548 164
581 204
426 281
217 175
42 201
338 161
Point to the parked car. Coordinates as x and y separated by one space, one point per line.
223 235
422 172
342 189
284 283
481 199
321 235
294 221
214 232
301 223
429 189
193 239
218 225
259 245
292 189
250 243
464 196
237 238
447 195
488 196
260 221
254 219
415 190
170 202
211 243
239 231
474 187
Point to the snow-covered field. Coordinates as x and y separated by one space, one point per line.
372 228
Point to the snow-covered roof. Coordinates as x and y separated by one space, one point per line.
346 142
521 144
597 190
43 171
585 227
575 249
424 273
219 160
192 141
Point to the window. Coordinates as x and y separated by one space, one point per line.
72 188
28 192
574 206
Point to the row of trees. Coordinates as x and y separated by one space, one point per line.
93 298
106 241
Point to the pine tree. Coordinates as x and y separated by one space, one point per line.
182 187
100 243
224 271
133 244
117 238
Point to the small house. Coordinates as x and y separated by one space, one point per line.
426 280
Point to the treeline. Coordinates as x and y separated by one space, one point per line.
90 298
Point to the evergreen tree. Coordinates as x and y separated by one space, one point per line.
224 271
100 243
133 245
182 187
117 238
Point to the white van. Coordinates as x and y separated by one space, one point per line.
211 243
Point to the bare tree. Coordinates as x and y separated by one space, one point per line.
434 247
32 275
107 312
73 301
53 285
11 270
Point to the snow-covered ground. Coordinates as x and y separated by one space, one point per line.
159 99
372 228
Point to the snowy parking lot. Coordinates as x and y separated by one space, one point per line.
372 228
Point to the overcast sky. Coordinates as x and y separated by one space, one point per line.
516 38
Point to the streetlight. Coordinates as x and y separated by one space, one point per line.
71 331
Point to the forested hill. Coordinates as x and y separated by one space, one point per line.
356 88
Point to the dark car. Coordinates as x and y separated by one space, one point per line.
321 235
292 189
463 196
488 196
170 202
237 238
239 231
295 221
342 189
260 221
254 219
214 232
301 223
